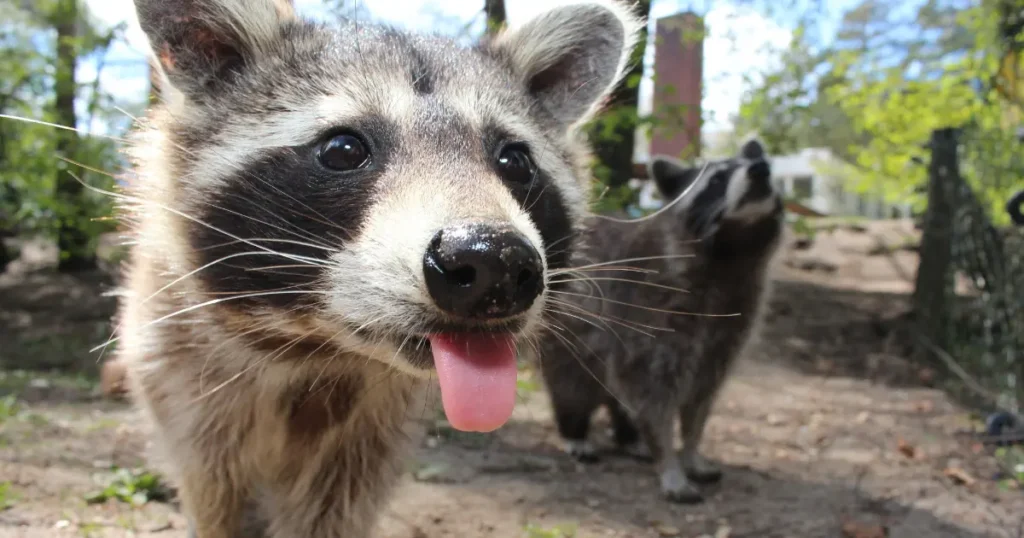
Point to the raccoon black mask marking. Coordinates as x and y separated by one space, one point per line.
325 216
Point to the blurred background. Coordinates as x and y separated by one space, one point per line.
883 399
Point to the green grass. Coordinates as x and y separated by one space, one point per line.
7 496
565 530
9 408
17 381
131 486
1011 459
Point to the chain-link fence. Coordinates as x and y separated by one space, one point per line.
969 300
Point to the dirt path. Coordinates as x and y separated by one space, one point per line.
823 432
803 454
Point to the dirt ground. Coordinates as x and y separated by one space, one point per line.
825 431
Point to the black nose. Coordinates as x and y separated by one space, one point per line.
480 271
760 186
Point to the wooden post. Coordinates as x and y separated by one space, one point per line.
934 283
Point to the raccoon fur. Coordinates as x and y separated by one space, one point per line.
324 218
706 256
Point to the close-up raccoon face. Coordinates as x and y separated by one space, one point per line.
391 195
735 194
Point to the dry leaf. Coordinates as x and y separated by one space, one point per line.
907 449
924 406
853 529
959 476
862 417
723 532
666 530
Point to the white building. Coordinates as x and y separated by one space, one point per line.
813 178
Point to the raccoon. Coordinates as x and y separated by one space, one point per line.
324 218
698 269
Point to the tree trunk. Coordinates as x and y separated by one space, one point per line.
617 125
934 285
495 11
154 83
76 250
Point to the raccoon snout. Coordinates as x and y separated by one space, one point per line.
482 271
760 185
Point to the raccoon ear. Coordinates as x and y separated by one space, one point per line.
571 57
670 175
201 44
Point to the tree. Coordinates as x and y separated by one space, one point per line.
612 133
495 11
945 78
790 107
72 239
43 44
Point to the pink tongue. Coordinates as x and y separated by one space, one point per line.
478 379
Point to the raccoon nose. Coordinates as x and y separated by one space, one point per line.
760 185
480 271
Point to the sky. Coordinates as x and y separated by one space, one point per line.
739 42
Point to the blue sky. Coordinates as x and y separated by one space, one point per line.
740 41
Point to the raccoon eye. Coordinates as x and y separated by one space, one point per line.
344 152
515 164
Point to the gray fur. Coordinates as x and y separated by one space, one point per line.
292 410
732 236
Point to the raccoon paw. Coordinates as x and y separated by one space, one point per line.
581 451
638 450
677 489
701 470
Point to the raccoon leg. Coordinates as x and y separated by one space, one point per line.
694 417
656 428
572 416
211 504
624 432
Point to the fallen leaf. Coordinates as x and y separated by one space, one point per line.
667 530
907 449
862 417
959 476
723 532
854 529
924 406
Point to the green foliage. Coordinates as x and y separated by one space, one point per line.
7 496
131 486
896 106
874 95
30 166
9 408
567 530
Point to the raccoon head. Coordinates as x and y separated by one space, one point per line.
733 205
401 197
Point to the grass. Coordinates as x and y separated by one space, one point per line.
7 496
132 486
9 408
1011 459
17 381
565 530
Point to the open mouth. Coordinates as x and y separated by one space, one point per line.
476 369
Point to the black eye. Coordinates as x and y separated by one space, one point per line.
344 152
515 164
